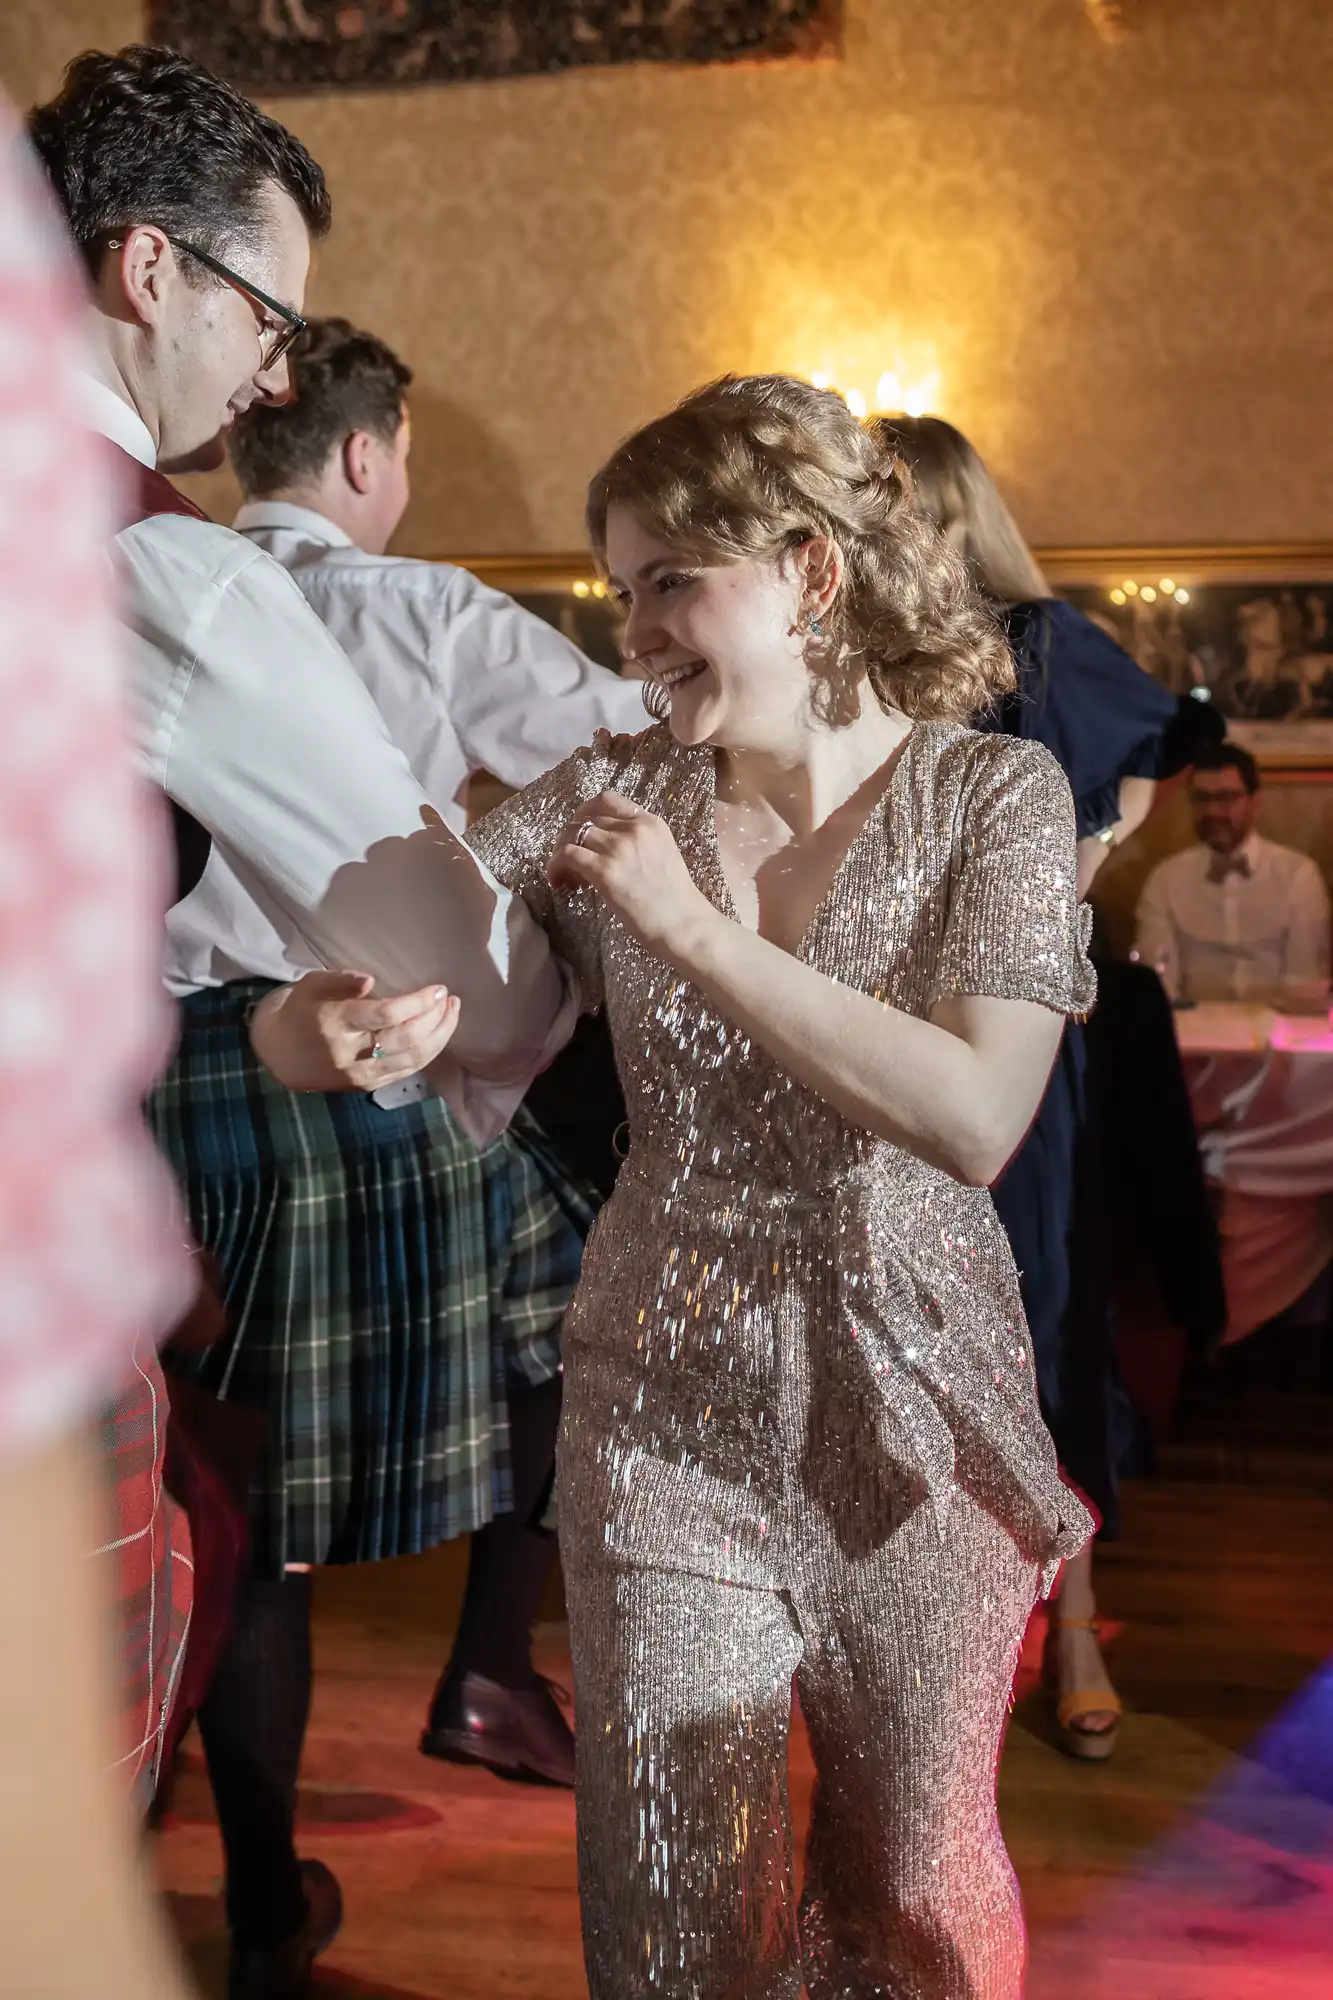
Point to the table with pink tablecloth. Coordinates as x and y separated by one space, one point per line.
1262 1089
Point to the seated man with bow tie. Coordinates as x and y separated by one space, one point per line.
1236 917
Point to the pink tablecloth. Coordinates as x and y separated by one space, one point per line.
1265 1118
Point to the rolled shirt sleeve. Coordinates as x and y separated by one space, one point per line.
253 719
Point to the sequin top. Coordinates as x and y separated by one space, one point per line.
747 1199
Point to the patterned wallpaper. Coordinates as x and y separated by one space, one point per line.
1118 260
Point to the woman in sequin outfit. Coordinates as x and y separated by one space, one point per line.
835 932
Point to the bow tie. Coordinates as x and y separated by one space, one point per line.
1222 865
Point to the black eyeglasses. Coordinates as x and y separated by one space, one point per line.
281 338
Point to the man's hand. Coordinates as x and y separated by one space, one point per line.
327 1032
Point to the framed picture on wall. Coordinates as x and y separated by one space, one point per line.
273 46
1250 629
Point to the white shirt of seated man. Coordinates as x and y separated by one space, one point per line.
1236 917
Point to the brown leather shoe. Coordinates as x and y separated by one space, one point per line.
516 1732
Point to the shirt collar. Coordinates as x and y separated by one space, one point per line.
301 520
1250 852
112 417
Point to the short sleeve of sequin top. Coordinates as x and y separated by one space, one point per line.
1014 928
517 838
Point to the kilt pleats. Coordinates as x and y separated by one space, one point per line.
383 1279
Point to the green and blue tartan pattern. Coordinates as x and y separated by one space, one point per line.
383 1278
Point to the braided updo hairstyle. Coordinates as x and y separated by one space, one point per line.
752 467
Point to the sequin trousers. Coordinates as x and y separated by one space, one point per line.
802 1444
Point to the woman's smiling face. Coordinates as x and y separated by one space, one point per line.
724 639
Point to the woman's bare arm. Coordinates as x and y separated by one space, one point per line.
958 1090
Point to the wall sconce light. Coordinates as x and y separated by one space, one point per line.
892 398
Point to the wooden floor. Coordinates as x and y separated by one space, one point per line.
1198 1865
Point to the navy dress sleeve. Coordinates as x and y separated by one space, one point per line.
1082 696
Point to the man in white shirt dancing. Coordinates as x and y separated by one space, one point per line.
1236 917
465 678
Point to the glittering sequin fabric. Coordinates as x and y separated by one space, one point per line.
802 1441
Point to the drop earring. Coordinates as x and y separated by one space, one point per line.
655 699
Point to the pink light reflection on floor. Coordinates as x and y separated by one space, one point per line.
1236 1903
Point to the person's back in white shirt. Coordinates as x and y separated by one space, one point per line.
1236 917
464 678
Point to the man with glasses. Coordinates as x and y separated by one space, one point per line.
279 324
251 718
1236 917
194 214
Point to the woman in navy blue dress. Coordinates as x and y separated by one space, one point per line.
1110 725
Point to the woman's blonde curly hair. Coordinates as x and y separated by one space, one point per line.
755 465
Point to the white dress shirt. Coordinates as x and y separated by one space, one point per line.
464 679
252 719
1261 934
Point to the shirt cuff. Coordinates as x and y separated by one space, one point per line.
484 1106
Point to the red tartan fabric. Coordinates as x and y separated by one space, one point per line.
152 1568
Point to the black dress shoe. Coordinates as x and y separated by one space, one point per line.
517 1732
282 1972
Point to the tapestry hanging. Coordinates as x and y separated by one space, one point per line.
271 46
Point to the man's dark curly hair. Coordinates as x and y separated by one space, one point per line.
345 381
145 136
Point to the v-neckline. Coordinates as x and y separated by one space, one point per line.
724 899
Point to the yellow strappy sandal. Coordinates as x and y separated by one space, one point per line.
1077 1705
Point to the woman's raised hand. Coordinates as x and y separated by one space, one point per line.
631 859
327 1032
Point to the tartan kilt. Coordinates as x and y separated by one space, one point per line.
152 1577
383 1278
